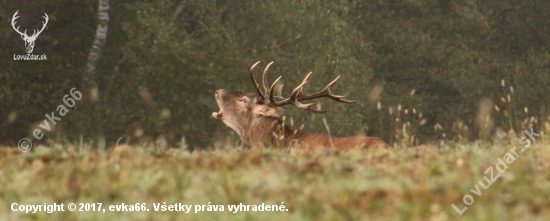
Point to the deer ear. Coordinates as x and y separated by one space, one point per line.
245 100
269 111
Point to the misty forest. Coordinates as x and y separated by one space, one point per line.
457 82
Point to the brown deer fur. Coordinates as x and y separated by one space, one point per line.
257 117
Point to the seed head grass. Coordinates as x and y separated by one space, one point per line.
403 183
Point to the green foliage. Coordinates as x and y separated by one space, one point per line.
182 64
418 183
164 60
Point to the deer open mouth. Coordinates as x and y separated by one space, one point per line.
217 115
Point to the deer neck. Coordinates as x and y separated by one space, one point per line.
269 132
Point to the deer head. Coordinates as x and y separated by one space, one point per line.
29 41
257 116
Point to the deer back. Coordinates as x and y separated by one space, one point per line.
257 117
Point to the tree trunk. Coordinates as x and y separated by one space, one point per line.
89 81
98 45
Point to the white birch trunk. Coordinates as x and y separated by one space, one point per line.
99 41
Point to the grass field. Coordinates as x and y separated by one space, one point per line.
419 183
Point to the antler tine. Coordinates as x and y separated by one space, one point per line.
13 22
308 107
292 98
307 76
44 23
15 15
264 79
300 92
297 94
271 90
326 93
256 85
280 91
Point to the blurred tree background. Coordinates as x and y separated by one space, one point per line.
421 70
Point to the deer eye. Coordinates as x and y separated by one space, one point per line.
243 100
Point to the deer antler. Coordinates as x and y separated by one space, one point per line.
15 17
34 34
256 85
297 94
43 23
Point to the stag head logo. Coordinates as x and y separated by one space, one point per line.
29 41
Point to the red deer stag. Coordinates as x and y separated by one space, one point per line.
257 117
